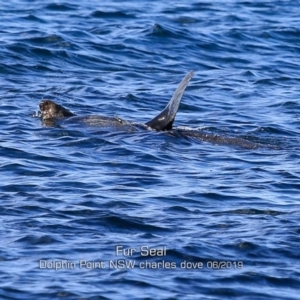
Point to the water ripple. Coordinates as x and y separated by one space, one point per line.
227 216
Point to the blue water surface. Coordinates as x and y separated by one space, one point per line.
81 209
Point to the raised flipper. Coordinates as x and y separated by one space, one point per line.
165 119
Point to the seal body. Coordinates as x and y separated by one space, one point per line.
53 114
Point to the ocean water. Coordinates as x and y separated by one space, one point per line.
150 215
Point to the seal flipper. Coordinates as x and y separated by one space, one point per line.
165 119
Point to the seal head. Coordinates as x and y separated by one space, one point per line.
52 111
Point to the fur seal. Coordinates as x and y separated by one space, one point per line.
55 114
